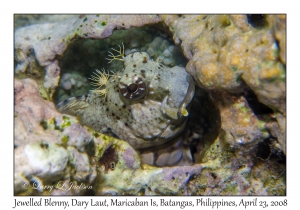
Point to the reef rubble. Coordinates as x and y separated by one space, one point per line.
239 61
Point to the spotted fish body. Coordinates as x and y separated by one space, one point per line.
144 104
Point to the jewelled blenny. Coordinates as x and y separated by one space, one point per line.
145 103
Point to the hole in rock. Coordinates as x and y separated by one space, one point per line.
83 56
109 159
257 107
266 150
204 124
201 130
257 20
263 150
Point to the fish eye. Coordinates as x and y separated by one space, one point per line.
132 88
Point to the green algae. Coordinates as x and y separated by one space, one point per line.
273 71
73 36
65 117
234 68
230 189
242 107
66 123
96 134
64 140
56 127
44 93
100 150
52 124
262 128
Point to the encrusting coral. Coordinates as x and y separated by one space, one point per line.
229 52
236 129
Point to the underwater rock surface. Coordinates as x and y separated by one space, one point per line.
50 40
238 63
229 52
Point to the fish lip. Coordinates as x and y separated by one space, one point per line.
178 119
171 131
188 97
177 112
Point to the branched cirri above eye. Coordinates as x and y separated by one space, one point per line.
120 56
132 88
100 79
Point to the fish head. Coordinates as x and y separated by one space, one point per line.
156 98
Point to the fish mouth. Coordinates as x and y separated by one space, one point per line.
181 110
175 111
177 114
171 131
